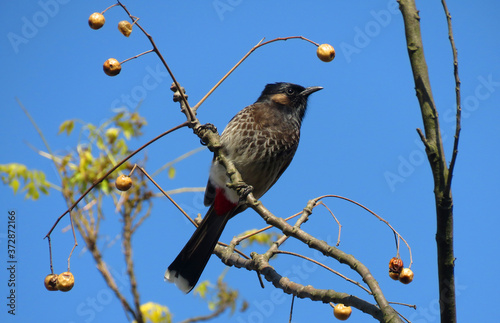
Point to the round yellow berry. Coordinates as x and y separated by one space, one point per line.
96 20
342 312
406 276
112 67
394 275
50 282
325 52
123 183
65 281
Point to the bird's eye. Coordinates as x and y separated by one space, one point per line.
290 91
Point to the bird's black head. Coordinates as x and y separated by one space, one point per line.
290 96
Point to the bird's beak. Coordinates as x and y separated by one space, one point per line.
310 90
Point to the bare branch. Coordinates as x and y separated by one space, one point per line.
457 98
326 267
127 246
261 263
435 153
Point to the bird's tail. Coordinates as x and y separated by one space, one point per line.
186 269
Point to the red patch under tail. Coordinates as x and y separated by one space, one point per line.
221 204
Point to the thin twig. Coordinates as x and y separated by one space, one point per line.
114 5
178 159
259 44
457 98
138 55
423 139
50 256
40 134
168 196
326 267
246 236
181 190
404 304
374 214
291 310
336 220
74 237
207 317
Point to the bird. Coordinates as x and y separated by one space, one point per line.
261 141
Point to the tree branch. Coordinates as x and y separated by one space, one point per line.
127 247
435 153
388 313
457 98
261 264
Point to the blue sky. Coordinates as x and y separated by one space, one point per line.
358 136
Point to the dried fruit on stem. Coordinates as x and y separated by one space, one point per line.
406 276
123 183
325 52
112 67
125 28
342 312
96 20
65 281
395 267
50 282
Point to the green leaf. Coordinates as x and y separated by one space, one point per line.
14 184
155 313
67 126
100 143
44 190
33 180
202 288
171 172
31 191
128 130
91 127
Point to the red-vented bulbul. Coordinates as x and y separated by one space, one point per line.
260 140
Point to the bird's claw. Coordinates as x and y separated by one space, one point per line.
207 127
202 129
242 189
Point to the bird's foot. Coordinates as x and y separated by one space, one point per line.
207 127
242 189
203 131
